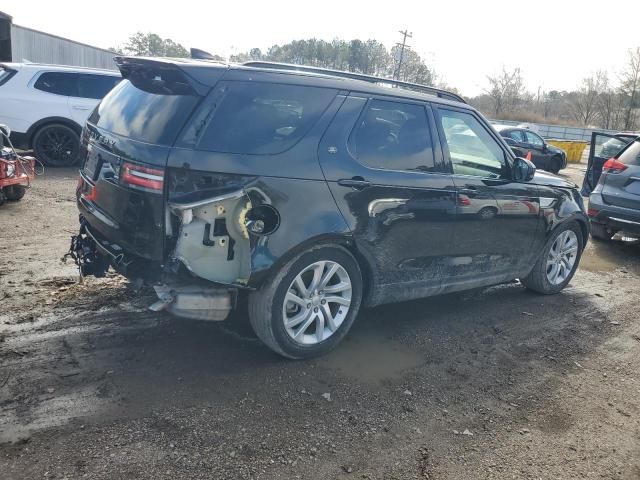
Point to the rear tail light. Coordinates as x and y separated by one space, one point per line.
592 212
463 200
145 177
86 190
613 166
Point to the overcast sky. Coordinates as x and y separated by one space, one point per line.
554 42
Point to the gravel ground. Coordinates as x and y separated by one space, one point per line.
493 383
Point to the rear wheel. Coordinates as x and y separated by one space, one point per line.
57 145
15 192
309 305
601 232
558 262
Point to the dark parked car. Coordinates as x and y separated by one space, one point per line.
614 203
308 193
544 155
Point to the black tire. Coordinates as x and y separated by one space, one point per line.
15 192
266 304
537 279
57 145
601 232
555 165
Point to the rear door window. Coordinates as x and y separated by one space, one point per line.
59 83
516 135
95 86
394 136
257 118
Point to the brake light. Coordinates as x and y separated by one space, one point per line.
150 178
613 166
592 212
86 190
463 201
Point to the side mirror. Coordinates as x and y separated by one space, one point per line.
523 170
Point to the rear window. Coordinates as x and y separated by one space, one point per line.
257 118
631 155
147 116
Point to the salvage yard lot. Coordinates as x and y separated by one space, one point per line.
493 383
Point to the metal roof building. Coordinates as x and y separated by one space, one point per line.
22 44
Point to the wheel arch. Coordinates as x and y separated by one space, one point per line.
344 241
43 122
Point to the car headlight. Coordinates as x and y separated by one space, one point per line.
11 169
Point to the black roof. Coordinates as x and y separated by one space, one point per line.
208 73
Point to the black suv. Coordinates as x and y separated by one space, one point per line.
308 193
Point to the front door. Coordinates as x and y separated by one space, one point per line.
385 170
497 217
535 144
603 147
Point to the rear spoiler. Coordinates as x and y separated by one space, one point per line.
159 76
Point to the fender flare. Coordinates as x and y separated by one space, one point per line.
50 120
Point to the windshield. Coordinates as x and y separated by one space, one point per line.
150 117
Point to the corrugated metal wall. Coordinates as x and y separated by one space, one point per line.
38 47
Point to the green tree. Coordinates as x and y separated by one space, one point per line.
152 45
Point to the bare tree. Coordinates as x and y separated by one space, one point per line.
630 86
506 91
584 100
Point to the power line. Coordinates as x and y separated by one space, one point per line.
403 45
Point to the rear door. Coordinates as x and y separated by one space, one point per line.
603 147
621 186
383 164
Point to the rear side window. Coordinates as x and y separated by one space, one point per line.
95 86
144 113
5 75
394 136
631 155
516 135
258 118
60 83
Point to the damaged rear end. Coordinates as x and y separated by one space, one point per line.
183 231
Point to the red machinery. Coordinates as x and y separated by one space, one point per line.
16 171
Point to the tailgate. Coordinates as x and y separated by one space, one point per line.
125 146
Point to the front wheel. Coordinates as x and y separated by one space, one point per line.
309 305
558 262
556 165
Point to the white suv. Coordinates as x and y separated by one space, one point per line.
46 106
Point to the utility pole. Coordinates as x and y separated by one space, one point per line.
405 34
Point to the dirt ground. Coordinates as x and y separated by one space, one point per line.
494 383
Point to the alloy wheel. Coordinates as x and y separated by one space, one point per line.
562 257
317 302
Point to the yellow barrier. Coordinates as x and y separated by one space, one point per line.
573 148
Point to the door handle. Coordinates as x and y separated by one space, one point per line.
357 183
78 107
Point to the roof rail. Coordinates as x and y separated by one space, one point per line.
358 76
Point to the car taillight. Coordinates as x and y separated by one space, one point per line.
613 166
592 212
145 177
